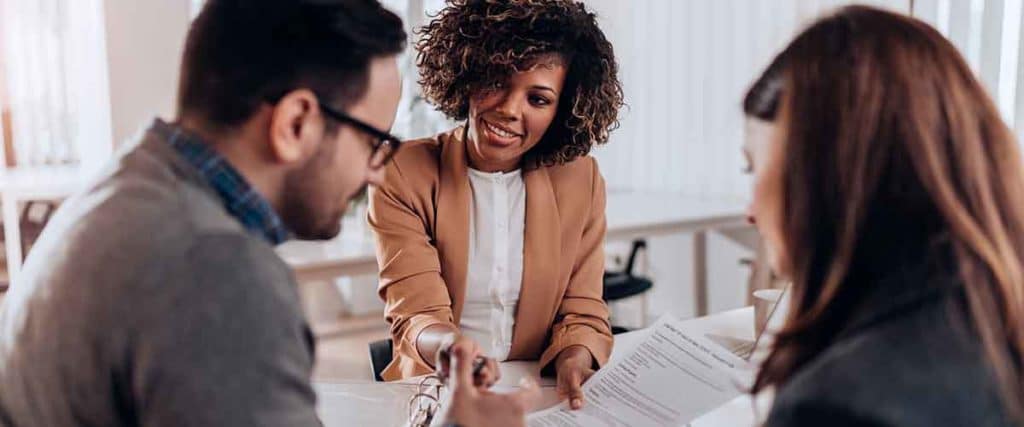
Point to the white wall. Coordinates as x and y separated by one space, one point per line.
5 102
94 139
988 34
144 44
685 66
56 81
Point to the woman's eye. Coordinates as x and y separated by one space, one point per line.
539 100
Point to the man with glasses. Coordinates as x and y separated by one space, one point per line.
155 297
385 144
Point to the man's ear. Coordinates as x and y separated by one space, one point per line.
296 126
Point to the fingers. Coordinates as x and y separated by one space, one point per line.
490 374
529 393
462 366
570 387
449 346
494 409
444 354
444 363
486 371
587 374
576 393
519 402
471 348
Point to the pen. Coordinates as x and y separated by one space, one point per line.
478 364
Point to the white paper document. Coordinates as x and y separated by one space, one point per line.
672 377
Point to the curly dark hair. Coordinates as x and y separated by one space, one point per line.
470 45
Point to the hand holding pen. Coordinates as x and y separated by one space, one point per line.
472 405
485 369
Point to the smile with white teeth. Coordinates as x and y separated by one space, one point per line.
499 131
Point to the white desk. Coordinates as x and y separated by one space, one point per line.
32 183
629 216
365 403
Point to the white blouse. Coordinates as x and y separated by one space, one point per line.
497 223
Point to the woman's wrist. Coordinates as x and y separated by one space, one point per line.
432 338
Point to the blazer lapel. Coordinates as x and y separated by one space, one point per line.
452 237
541 252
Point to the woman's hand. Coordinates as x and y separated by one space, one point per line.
574 367
484 370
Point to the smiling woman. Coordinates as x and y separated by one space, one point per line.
492 232
473 47
509 119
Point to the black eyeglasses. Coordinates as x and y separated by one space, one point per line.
384 144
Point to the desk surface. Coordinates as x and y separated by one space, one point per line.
365 403
629 215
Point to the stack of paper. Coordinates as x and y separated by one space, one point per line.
672 377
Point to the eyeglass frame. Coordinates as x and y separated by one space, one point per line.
382 138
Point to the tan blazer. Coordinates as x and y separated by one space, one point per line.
420 215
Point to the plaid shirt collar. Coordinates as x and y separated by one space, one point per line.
239 198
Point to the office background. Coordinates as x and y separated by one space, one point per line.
79 77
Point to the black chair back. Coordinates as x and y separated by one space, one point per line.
381 353
624 284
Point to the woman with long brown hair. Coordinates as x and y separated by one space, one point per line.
890 192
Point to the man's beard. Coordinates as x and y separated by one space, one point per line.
307 207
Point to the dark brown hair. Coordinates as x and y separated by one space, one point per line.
240 54
473 44
890 141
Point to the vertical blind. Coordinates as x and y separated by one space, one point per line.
686 65
988 34
55 80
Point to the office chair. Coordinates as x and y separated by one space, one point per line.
381 353
624 284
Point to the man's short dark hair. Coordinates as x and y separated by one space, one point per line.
242 53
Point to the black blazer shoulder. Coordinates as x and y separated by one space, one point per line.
909 360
